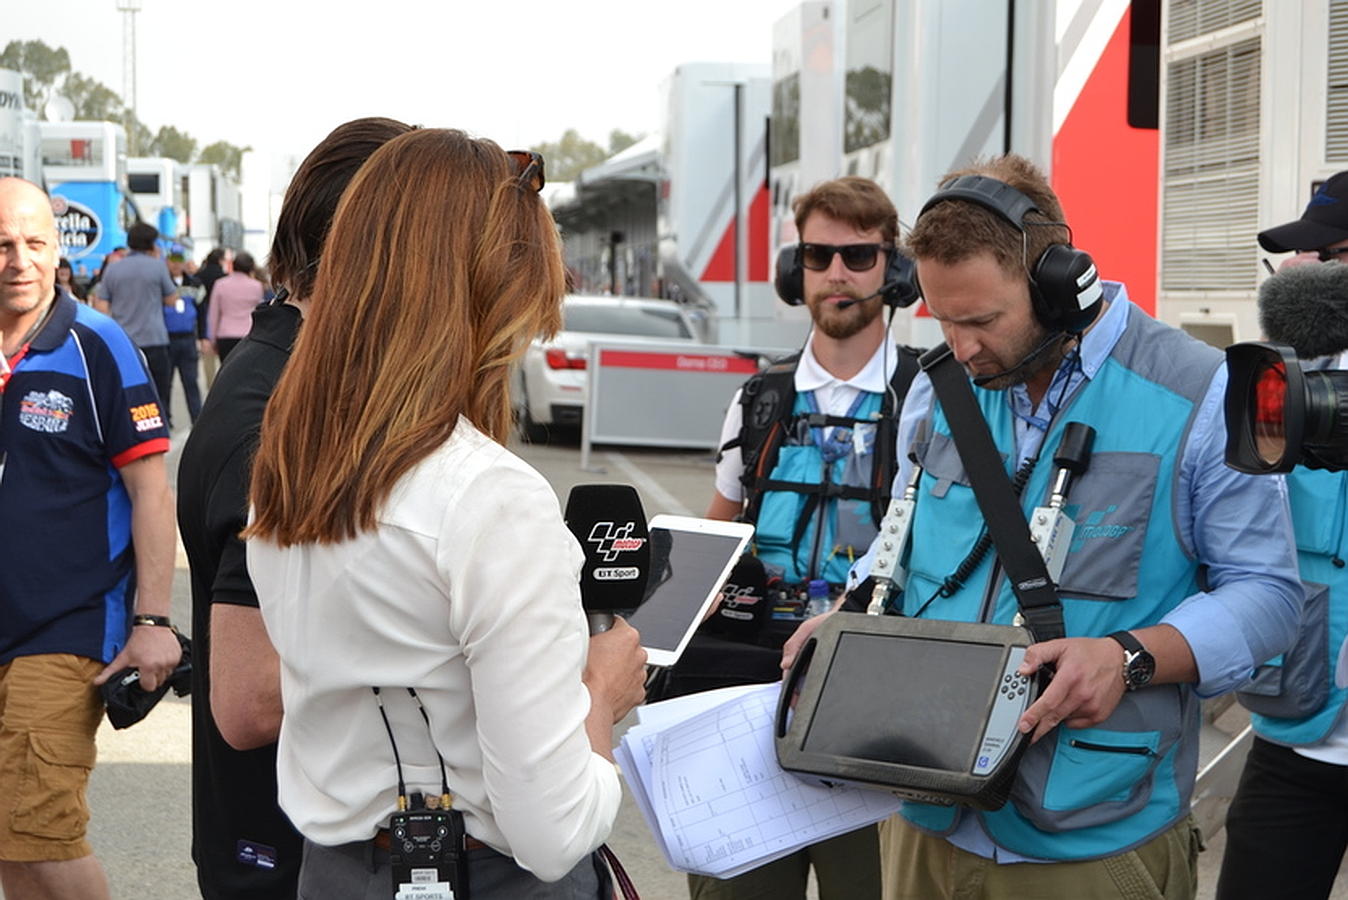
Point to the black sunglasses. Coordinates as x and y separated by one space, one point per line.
857 257
1328 255
529 167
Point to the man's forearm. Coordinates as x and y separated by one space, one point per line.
154 537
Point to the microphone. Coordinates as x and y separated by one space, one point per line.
610 524
904 294
1054 337
1306 307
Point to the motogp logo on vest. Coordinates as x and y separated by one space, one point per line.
612 541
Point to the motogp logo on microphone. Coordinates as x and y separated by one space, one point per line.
612 541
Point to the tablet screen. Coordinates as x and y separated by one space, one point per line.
688 568
905 700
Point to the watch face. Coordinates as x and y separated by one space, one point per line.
1140 668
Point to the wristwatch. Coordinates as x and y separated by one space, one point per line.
146 619
1138 665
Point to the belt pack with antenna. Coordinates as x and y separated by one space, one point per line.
925 708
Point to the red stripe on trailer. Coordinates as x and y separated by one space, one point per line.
759 226
721 266
1106 173
680 362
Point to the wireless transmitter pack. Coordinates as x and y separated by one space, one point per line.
923 708
428 854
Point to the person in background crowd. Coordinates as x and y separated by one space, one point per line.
115 255
233 299
134 291
82 444
180 319
65 277
216 266
1287 827
236 682
394 461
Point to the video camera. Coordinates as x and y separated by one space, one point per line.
1279 416
1281 413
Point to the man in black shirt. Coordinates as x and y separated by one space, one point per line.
242 843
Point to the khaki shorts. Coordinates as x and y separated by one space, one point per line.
49 713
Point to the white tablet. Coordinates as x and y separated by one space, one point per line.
690 561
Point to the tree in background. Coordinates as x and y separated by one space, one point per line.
42 68
572 154
225 155
174 144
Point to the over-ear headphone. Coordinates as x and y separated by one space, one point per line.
1065 289
897 288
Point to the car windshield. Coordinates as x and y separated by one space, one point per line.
639 320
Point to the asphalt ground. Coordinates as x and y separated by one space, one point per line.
140 791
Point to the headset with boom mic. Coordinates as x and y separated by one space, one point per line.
610 524
897 288
1065 289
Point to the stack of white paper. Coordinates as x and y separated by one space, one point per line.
704 773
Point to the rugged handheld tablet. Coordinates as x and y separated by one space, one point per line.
926 709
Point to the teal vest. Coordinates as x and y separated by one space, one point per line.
1090 792
808 535
1319 501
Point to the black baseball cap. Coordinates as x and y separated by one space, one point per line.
1324 222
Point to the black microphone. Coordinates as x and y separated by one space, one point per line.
1054 337
1306 307
609 523
845 304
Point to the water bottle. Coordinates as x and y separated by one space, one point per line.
817 599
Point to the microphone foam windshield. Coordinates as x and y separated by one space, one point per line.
610 524
1306 307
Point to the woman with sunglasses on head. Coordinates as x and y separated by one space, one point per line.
416 577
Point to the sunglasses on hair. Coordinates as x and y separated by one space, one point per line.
857 257
529 167
1329 255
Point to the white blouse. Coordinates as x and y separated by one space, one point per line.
467 591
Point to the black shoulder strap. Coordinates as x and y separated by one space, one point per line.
1035 590
767 401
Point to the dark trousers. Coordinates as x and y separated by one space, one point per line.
1287 827
161 373
847 867
183 359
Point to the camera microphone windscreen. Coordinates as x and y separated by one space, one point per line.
1306 307
610 524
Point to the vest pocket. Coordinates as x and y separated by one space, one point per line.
1111 505
1093 776
1295 684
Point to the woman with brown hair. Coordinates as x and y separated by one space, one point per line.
415 576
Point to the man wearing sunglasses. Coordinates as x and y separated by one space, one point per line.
1288 811
813 490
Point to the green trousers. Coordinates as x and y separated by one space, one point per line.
918 866
847 867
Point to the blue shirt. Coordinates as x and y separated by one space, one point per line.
1239 526
78 406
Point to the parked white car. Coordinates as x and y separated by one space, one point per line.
550 387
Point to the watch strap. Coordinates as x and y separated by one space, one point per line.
1128 641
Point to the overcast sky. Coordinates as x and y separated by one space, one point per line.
279 74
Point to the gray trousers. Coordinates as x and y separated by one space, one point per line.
360 871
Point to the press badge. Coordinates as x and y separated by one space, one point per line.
259 856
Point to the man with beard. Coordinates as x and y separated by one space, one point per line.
807 457
1180 580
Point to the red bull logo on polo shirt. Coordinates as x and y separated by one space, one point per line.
48 412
